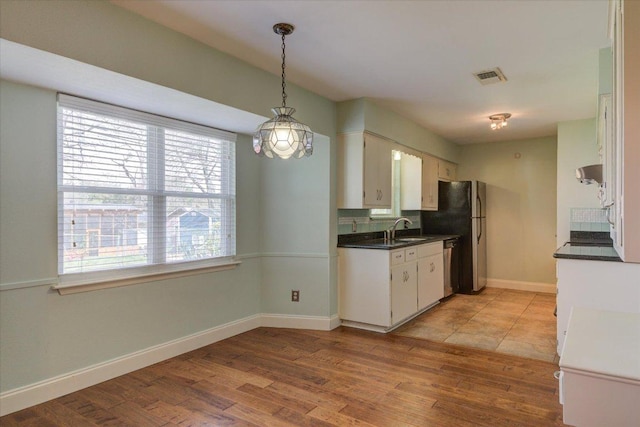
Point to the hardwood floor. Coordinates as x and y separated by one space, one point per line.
345 377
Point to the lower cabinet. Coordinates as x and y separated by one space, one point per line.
601 285
380 289
430 274
404 292
599 369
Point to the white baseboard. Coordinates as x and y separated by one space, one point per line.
549 288
300 322
24 397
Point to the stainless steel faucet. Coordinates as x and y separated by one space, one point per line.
392 231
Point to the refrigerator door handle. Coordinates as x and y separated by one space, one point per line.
479 213
480 229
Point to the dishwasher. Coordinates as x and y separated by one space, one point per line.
451 267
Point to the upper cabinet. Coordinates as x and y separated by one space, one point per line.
625 105
446 170
364 171
369 166
429 183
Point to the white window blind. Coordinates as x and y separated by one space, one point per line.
137 190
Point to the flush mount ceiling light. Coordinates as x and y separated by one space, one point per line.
498 121
283 136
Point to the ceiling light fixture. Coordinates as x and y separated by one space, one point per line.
498 121
283 136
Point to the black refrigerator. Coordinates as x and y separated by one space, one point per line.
461 211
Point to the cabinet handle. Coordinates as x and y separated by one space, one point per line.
609 220
432 267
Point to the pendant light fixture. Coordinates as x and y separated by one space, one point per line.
283 136
498 121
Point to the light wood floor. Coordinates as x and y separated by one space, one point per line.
345 377
503 320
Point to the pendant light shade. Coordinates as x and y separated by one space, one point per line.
283 136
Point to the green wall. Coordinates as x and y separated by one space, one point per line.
286 210
521 206
363 114
577 147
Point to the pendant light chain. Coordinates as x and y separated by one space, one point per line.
284 84
283 136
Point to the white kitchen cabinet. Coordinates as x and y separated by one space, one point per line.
379 289
607 153
600 373
429 187
410 182
626 127
364 171
430 274
447 171
602 285
404 280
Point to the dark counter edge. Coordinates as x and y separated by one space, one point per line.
587 239
558 255
359 240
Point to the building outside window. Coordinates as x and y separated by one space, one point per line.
135 189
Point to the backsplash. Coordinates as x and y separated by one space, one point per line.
589 219
364 223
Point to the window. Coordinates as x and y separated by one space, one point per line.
137 191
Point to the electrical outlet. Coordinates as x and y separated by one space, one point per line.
295 296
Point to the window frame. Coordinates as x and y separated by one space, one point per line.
157 266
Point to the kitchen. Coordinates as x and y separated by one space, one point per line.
270 246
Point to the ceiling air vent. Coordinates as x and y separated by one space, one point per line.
491 76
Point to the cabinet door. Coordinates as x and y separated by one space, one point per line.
429 183
430 280
446 170
404 292
377 172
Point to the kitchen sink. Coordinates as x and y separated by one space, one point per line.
412 239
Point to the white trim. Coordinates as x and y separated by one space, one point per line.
52 281
293 255
24 397
334 322
167 271
549 288
294 321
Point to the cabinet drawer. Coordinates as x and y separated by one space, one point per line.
429 249
397 257
411 254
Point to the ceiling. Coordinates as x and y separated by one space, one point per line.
417 58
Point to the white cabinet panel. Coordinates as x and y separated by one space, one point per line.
403 291
447 171
430 280
364 171
380 289
603 285
429 183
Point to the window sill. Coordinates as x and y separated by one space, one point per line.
85 282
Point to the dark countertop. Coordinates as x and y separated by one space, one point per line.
587 252
593 246
375 241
